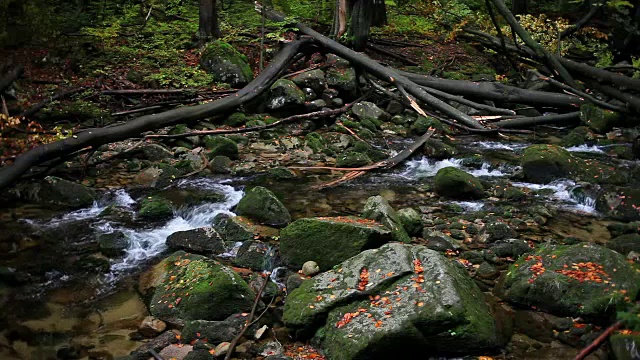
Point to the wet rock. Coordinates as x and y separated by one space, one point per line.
240 229
575 280
214 331
236 119
284 94
341 76
437 149
226 64
329 240
310 268
497 230
205 241
544 163
222 349
263 206
625 244
576 137
220 165
455 183
157 344
411 221
92 264
316 105
620 203
510 248
272 349
313 79
151 327
394 107
378 209
368 110
155 208
294 281
158 176
487 271
352 159
252 255
446 314
280 173
618 228
422 125
113 244
155 152
598 119
56 191
199 354
624 347
437 242
220 145
309 94
214 290
190 161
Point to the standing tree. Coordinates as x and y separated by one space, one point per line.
364 15
208 28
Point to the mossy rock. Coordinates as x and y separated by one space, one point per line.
625 244
598 119
285 94
341 76
236 119
422 125
197 288
621 203
226 64
582 280
543 163
438 150
155 208
56 191
353 159
378 209
220 145
329 240
315 142
393 311
113 244
313 79
576 137
455 183
263 206
368 110
411 221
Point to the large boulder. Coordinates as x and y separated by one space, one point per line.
263 206
56 191
252 255
620 203
285 94
213 331
395 299
598 119
329 240
341 76
113 244
455 183
313 79
241 229
624 244
367 110
193 287
353 159
378 209
226 64
578 280
205 240
221 146
543 163
155 208
437 149
411 221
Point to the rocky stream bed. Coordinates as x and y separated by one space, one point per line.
509 247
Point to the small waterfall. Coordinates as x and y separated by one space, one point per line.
425 167
586 149
567 193
486 170
470 206
148 243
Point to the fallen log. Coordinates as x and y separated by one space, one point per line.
538 120
11 76
383 73
496 92
134 128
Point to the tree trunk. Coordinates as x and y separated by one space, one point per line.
361 23
519 7
208 27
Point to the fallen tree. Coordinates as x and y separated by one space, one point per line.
96 137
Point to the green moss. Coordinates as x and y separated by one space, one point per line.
353 159
154 207
220 145
236 119
455 183
543 163
315 141
598 119
422 125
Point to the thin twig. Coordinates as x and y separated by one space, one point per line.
249 319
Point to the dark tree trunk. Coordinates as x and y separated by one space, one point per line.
364 15
208 27
519 7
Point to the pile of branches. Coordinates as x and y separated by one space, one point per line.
425 94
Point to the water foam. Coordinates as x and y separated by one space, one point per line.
564 192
